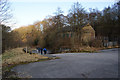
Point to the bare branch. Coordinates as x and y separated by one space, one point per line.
5 12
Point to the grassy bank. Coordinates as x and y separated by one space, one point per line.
15 57
86 49
83 49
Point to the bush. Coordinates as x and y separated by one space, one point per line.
96 43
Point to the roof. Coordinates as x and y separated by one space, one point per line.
87 27
73 28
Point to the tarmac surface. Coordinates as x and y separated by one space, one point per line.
74 65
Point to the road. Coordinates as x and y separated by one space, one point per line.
74 65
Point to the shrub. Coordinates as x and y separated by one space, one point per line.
96 43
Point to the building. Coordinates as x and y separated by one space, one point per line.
87 33
73 36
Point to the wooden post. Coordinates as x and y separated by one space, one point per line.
26 49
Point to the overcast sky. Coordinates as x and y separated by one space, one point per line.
27 12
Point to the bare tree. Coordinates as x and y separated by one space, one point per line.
5 11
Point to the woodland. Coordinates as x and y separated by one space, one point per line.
106 23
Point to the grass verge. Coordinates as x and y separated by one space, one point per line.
16 56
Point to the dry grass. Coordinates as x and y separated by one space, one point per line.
85 49
17 56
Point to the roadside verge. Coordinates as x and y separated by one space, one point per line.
17 56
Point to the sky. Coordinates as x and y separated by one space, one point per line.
26 12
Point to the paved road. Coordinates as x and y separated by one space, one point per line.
74 65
